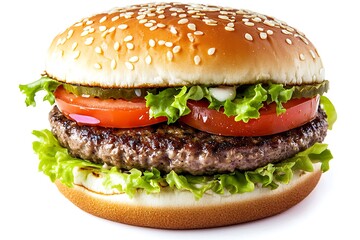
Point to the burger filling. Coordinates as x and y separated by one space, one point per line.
197 138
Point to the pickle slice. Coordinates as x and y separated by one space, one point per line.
106 93
303 91
311 90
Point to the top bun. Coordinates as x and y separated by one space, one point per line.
172 44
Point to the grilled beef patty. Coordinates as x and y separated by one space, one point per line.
182 148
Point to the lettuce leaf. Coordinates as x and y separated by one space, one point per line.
172 102
329 109
56 163
46 84
279 95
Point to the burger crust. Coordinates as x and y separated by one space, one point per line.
179 210
164 45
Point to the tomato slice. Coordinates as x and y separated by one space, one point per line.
298 112
115 113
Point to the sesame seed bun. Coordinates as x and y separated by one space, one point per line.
160 45
179 210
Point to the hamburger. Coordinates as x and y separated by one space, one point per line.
181 116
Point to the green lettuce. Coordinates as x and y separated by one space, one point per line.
56 163
46 84
329 109
172 102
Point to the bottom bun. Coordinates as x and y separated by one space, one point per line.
179 210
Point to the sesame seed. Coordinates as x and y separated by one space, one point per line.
148 24
111 29
263 35
303 39
161 42
249 24
248 37
89 41
223 17
288 41
256 19
61 41
240 12
89 22
176 49
152 43
312 54
269 23
302 57
148 59
115 18
230 24
183 15
116 46
74 45
169 44
183 21
104 34
79 24
84 33
70 33
173 30
130 46
174 14
91 30
134 59
76 54
211 51
128 15
98 50
269 32
197 59
103 19
210 22
142 21
128 38
192 11
162 16
190 37
169 55
97 66
198 33
284 31
129 65
192 26
102 28
260 29
230 29
123 26
151 14
140 17
113 64
160 25
153 28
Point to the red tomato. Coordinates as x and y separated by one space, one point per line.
298 112
116 113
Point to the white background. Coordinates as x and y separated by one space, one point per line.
32 208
